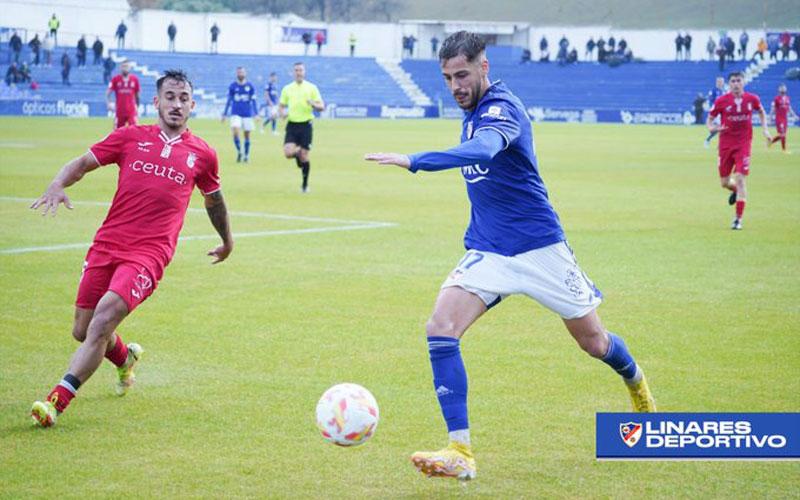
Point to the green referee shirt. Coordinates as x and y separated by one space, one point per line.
296 96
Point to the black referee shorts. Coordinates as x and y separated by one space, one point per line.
299 133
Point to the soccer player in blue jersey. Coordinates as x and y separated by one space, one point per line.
243 107
271 100
515 245
713 94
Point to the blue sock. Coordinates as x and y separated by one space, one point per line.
274 124
247 147
449 381
619 358
237 144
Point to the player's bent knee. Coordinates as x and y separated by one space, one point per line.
79 333
438 327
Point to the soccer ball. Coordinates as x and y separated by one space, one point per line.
347 415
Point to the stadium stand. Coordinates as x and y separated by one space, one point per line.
647 87
650 86
343 80
766 85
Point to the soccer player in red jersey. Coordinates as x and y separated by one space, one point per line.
781 110
159 166
125 87
735 110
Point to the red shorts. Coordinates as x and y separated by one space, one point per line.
734 156
126 119
781 125
102 272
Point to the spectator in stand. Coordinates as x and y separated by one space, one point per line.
108 67
122 28
97 50
563 43
544 56
612 44
306 38
52 26
721 55
47 47
15 44
561 56
320 39
711 48
743 39
434 46
761 48
214 37
36 45
66 67
679 47
352 41
412 40
699 102
81 53
590 45
12 74
796 45
543 45
687 47
572 57
772 45
24 73
730 47
622 45
786 40
628 56
526 56
601 50
172 30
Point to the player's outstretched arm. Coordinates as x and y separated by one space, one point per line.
764 125
69 174
713 127
218 214
482 147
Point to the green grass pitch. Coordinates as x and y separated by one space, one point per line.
238 354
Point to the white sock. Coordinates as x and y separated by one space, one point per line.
637 377
461 435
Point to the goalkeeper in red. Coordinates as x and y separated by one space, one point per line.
736 135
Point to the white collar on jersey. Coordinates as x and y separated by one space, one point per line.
167 140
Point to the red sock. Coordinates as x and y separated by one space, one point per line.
60 396
783 143
119 353
776 139
739 208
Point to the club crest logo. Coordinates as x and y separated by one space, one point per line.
630 432
190 160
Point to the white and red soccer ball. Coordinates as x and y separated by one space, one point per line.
347 415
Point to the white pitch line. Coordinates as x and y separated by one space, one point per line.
352 225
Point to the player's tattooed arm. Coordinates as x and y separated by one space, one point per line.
218 214
69 174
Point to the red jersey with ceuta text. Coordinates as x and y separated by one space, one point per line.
156 178
781 104
737 118
125 90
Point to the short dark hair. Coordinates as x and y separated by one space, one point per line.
273 74
735 73
299 63
173 74
462 43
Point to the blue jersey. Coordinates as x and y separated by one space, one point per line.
511 212
713 94
241 100
272 91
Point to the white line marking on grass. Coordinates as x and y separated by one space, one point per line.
343 225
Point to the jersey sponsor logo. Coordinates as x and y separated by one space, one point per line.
494 112
241 97
630 432
156 170
474 173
